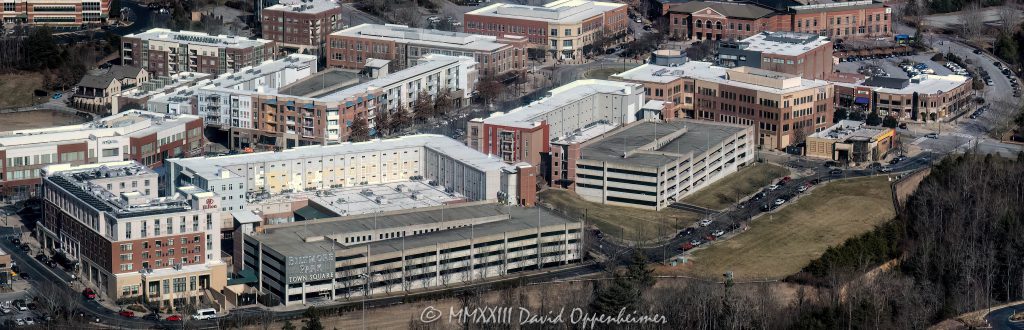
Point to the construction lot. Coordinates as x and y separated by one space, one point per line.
735 187
622 222
781 243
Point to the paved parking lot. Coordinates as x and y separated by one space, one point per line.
891 65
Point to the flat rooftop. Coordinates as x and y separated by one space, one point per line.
921 84
198 38
208 166
77 181
304 6
562 11
291 238
527 116
165 84
374 198
586 134
847 129
827 6
323 83
237 80
429 63
423 37
634 144
133 123
784 43
707 71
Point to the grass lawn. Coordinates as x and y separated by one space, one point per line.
782 243
618 221
746 181
605 72
17 89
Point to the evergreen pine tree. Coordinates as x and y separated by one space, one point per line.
288 326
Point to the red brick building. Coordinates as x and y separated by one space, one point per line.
145 137
55 12
801 54
404 46
719 20
301 26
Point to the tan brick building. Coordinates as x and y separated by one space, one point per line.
783 108
562 27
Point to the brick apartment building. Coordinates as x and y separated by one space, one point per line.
801 54
128 241
402 45
723 20
164 52
301 26
55 12
524 134
783 108
561 27
142 136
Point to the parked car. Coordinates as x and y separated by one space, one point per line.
885 169
758 196
687 246
126 313
151 317
766 208
174 318
801 188
932 135
779 201
835 171
773 187
89 294
814 181
705 222
19 304
977 51
718 233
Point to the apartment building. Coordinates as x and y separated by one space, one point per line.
403 46
851 141
301 26
128 240
801 54
164 52
142 136
724 20
347 257
249 103
921 98
524 134
430 158
783 108
651 164
55 12
562 27
97 90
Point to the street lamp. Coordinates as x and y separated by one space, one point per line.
366 292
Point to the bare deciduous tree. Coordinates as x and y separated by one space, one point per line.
1009 16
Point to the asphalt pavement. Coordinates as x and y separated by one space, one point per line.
1000 319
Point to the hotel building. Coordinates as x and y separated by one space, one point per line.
128 240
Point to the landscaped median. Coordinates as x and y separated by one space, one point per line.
622 222
734 187
783 242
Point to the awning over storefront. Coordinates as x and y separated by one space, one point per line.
861 100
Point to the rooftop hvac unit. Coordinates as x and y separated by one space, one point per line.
382 200
401 188
366 192
415 195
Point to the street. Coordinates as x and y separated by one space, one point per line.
1000 319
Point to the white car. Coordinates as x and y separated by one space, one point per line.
780 201
29 321
638 20
801 188
773 187
19 322
718 233
705 222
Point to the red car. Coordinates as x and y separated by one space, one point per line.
176 318
126 313
710 237
686 246
88 293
